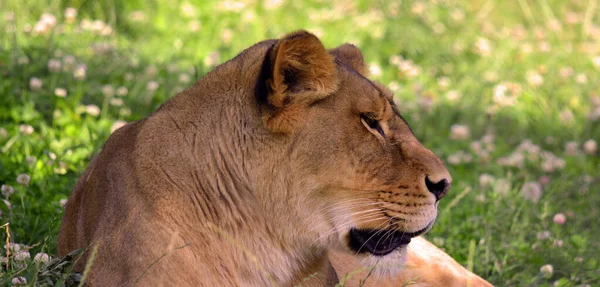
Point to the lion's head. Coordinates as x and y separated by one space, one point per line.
367 183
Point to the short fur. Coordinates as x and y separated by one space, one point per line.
250 176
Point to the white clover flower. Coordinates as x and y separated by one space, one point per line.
273 4
443 82
125 112
188 10
98 26
581 78
534 79
106 31
558 243
60 92
117 102
572 148
63 202
92 110
54 65
41 258
544 46
226 36
547 270
572 17
7 190
409 68
503 95
14 247
184 78
79 72
194 26
212 59
483 47
543 235
566 72
453 95
23 60
9 16
486 180
457 15
544 180
19 281
49 19
21 255
68 62
454 159
70 14
30 160
559 218
231 6
550 162
566 116
502 186
438 28
23 179
108 91
590 147
460 132
152 86
26 129
516 159
151 71
117 125
594 114
596 61
417 8
137 16
375 70
122 91
45 24
532 191
35 84
459 157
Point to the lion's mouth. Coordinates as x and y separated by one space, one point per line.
379 242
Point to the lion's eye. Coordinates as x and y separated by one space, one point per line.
371 123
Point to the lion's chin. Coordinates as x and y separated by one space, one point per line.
388 265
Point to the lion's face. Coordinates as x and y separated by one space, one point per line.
371 180
382 185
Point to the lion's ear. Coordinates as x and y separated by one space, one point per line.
301 72
351 56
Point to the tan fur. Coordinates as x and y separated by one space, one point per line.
252 175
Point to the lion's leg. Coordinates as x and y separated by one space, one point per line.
426 265
433 266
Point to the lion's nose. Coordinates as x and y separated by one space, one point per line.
438 189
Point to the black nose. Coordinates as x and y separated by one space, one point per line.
438 189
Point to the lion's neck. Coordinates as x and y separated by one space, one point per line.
241 187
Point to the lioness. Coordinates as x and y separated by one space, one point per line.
252 175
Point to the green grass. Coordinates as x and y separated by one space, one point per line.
461 53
